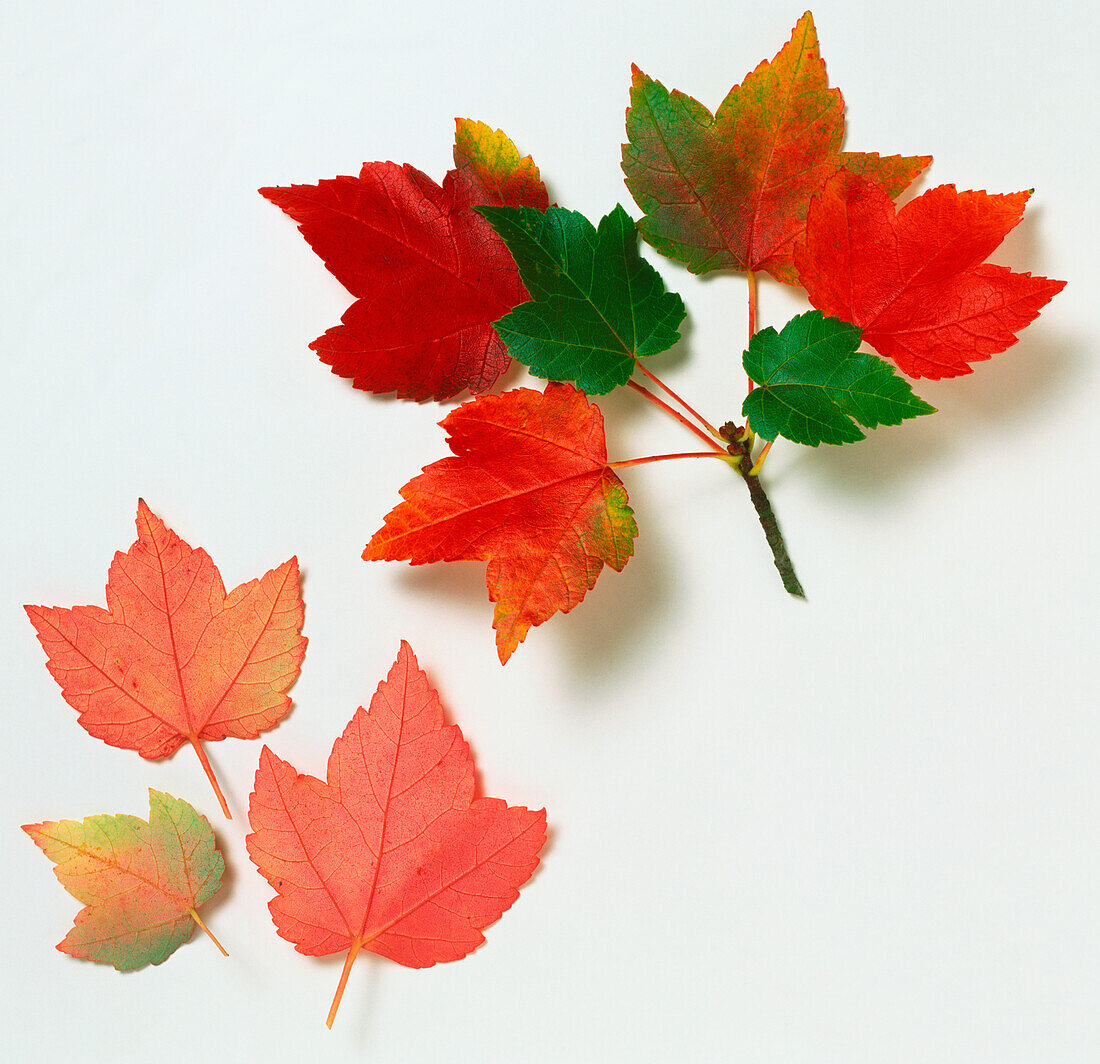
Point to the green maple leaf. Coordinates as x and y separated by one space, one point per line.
813 385
596 305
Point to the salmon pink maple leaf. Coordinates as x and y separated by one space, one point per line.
914 280
429 273
529 491
173 658
392 852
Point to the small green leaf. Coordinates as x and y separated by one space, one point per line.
813 385
596 305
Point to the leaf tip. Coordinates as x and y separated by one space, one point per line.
805 25
146 517
639 79
506 645
406 658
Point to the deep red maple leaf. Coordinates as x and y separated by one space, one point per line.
914 280
393 853
530 491
173 658
429 273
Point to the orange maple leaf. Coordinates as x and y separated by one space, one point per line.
173 658
529 491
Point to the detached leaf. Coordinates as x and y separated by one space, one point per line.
529 491
730 191
812 384
174 659
914 279
596 304
392 853
429 274
141 882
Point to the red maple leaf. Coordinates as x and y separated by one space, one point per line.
429 273
530 491
914 279
173 658
731 190
393 853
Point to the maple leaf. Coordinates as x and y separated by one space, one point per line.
814 384
141 882
428 272
392 853
173 659
731 190
530 491
914 279
597 305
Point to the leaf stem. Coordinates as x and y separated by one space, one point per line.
642 390
752 311
752 305
198 920
759 463
669 457
683 402
771 527
205 762
348 962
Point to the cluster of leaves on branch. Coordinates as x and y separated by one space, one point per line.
452 281
393 854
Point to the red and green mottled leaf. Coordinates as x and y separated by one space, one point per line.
914 280
596 305
173 658
429 274
392 853
529 490
141 882
730 191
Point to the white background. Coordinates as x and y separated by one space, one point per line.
857 829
